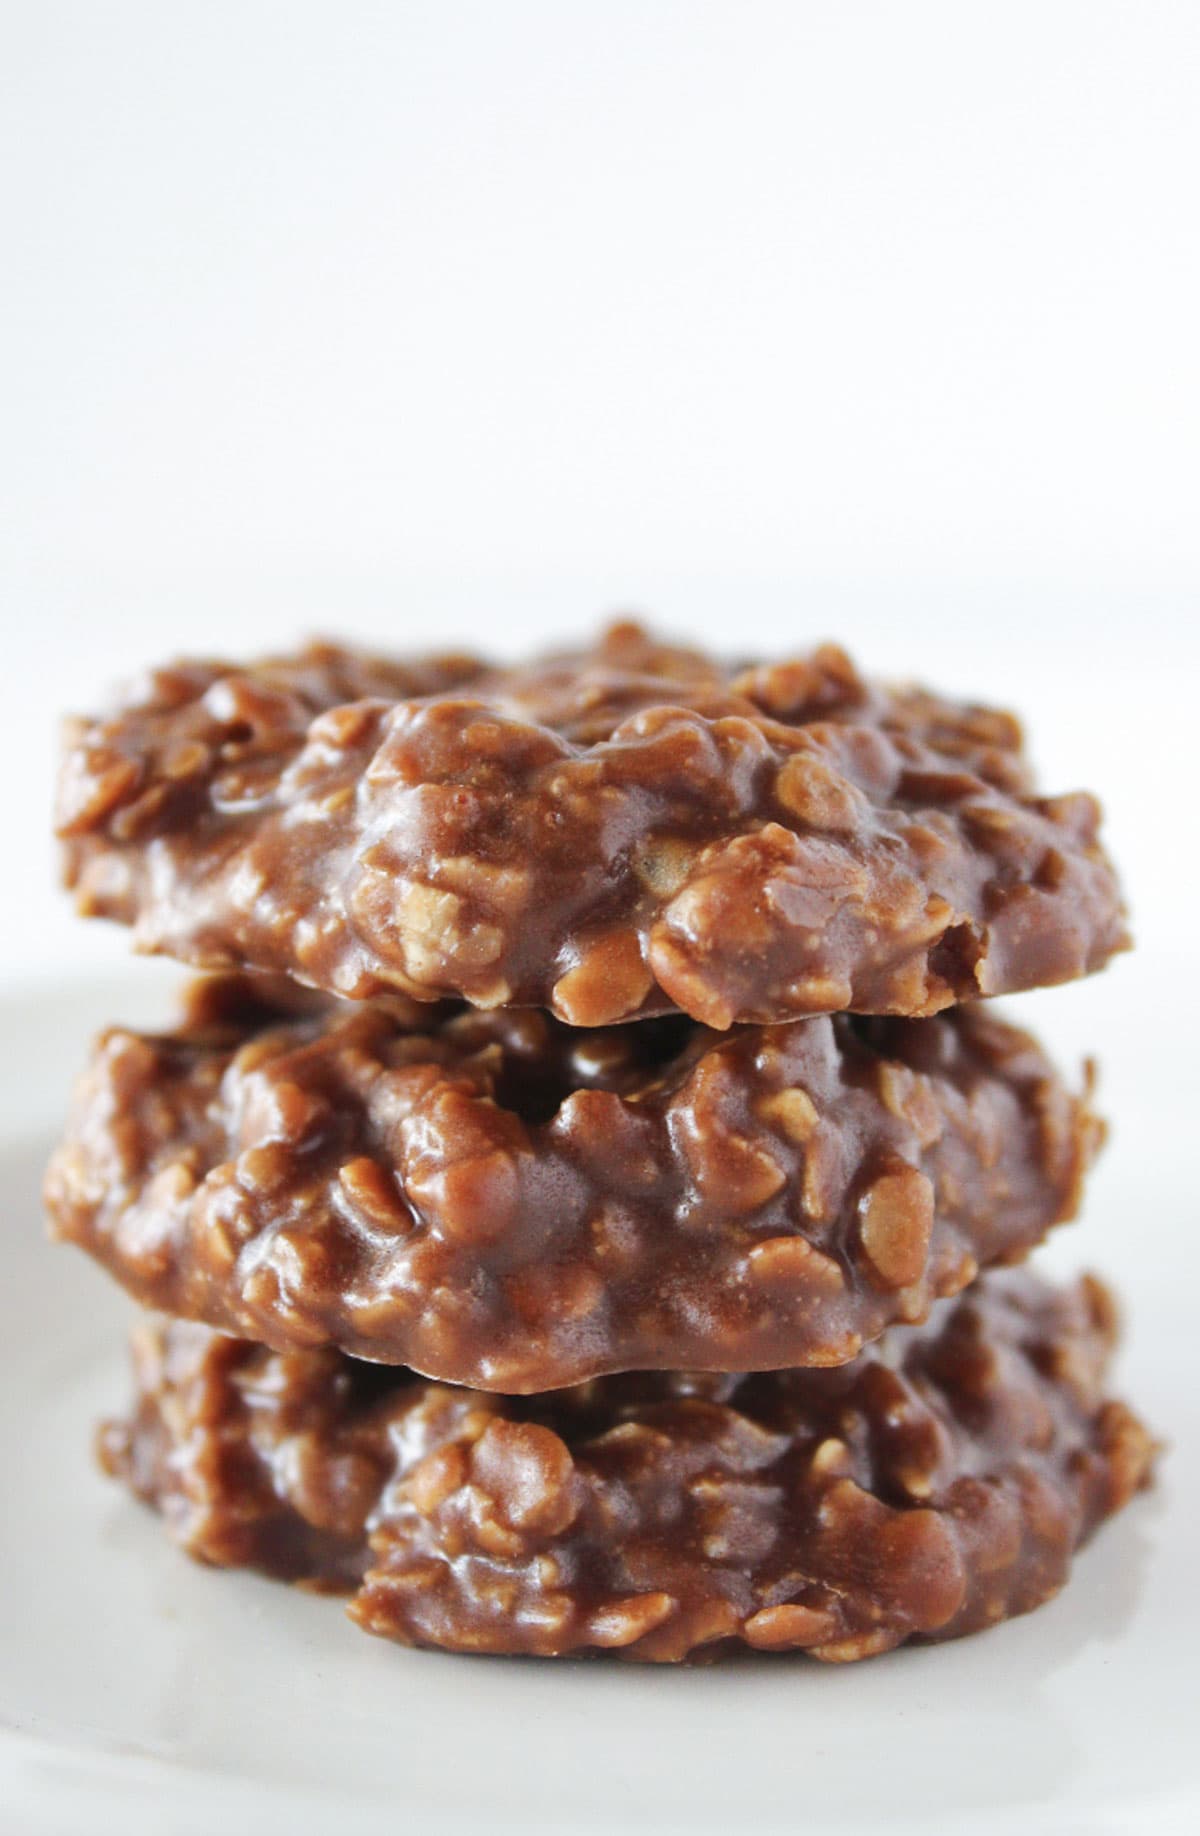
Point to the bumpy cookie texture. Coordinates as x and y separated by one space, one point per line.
625 830
934 1486
499 1199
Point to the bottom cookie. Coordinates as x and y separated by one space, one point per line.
937 1484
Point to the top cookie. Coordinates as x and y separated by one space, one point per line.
609 832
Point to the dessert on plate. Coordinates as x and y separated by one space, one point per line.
574 1210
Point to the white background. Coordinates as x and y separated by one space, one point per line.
474 321
471 321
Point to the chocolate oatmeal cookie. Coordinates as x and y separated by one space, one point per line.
622 831
937 1484
503 1200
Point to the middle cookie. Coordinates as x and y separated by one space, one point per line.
500 1200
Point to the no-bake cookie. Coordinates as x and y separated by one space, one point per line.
937 1484
504 1200
620 831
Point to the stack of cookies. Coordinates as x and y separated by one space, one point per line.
575 1204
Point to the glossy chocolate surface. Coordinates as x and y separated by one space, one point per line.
624 830
937 1484
503 1200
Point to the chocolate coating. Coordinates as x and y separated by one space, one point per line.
937 1484
621 831
502 1200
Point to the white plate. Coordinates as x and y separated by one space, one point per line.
140 1693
